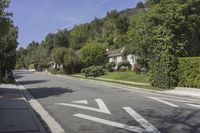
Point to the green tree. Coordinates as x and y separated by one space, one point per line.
94 54
58 56
8 40
165 32
79 36
8 46
72 62
62 38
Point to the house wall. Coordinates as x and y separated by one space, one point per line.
132 59
116 59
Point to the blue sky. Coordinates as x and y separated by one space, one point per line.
36 18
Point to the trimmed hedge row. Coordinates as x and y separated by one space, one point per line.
93 71
189 72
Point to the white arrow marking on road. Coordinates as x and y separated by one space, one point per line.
110 123
194 105
81 102
148 126
165 102
102 107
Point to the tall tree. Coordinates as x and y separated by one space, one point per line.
8 40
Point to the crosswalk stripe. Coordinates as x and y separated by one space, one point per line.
165 102
194 105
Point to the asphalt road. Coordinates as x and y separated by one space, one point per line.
82 106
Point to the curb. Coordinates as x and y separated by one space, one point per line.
36 118
47 123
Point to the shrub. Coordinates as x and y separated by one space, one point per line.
31 66
189 72
94 71
94 54
124 66
55 71
110 66
137 68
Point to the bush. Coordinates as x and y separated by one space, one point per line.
94 71
55 71
124 66
163 70
137 68
94 54
31 66
189 72
110 66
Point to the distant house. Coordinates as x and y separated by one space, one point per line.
118 55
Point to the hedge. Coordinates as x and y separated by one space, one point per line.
189 72
94 71
124 66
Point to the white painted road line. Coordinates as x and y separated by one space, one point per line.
165 102
81 102
144 123
194 105
110 123
178 100
102 107
49 120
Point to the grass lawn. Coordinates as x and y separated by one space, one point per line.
127 76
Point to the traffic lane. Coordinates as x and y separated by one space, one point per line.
154 112
49 86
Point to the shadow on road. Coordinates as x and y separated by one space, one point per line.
47 92
32 82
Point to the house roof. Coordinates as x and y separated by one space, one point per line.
115 52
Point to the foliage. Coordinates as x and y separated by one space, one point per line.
5 21
31 66
58 55
72 62
140 5
8 41
164 32
94 71
124 66
79 36
55 71
94 54
189 72
110 66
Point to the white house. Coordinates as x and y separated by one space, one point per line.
117 55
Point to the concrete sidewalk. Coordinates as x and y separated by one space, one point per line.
183 91
16 115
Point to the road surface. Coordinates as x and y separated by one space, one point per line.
83 106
